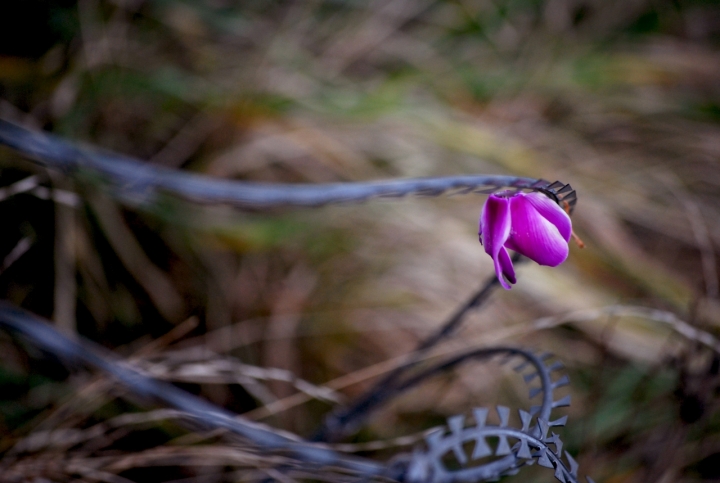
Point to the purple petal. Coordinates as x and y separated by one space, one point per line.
495 227
535 236
495 224
550 210
507 268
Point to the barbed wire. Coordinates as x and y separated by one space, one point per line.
411 468
344 420
140 183
86 354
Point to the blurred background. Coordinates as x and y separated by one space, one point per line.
620 98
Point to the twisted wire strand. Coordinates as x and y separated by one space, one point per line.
428 465
542 412
139 183
84 353
345 420
540 370
537 361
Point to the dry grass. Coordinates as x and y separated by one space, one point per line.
282 315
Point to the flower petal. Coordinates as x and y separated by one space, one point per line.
495 224
535 236
495 227
550 210
506 266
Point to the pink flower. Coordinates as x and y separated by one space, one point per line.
529 223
